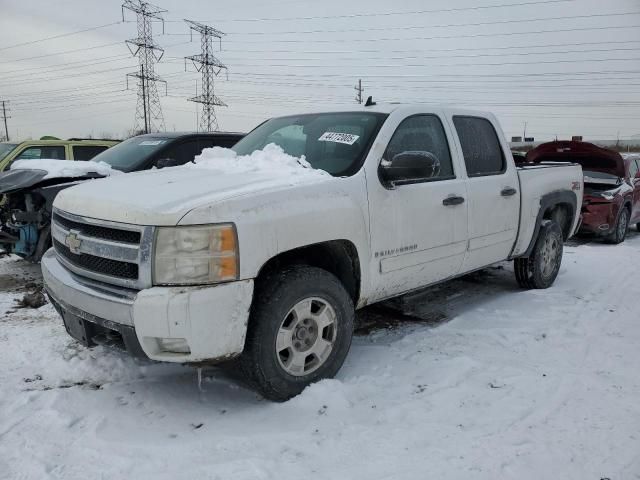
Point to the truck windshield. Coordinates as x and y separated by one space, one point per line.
334 142
5 149
129 155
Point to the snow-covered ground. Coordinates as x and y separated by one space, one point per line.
494 383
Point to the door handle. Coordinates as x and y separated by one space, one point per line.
507 192
455 200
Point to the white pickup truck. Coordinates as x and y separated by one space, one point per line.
204 265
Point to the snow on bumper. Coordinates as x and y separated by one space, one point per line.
173 324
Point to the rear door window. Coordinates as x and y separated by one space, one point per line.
53 152
87 152
481 148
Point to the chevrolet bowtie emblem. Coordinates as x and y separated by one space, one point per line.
73 242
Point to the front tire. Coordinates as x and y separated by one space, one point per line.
299 332
620 231
541 268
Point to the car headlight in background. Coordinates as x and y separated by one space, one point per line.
195 255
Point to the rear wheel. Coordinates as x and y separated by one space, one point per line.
299 332
638 226
620 230
541 268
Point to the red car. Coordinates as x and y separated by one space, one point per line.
611 185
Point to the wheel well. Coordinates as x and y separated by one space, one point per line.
338 257
562 214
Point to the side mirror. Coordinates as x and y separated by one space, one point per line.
166 162
409 167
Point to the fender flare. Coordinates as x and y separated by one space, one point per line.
547 201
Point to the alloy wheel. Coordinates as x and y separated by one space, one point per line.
306 336
550 252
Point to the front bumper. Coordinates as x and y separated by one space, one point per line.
599 218
211 321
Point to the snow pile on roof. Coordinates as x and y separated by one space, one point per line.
65 168
271 159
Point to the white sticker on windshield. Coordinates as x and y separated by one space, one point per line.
335 137
152 142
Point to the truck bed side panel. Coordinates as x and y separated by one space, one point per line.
535 183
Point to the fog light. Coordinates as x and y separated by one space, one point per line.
174 345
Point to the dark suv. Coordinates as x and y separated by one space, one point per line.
163 149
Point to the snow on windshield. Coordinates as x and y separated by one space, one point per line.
271 159
65 168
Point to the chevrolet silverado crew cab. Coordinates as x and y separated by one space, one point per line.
198 265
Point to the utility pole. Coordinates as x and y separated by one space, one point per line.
4 116
524 133
148 109
144 99
209 66
358 88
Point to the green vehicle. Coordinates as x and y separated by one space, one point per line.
72 149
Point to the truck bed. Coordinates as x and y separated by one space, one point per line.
536 181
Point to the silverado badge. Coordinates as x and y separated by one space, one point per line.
73 242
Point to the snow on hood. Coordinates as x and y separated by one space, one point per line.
163 196
271 159
65 168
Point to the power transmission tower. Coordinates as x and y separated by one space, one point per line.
209 66
149 116
359 89
4 116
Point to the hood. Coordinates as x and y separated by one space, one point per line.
66 168
14 180
590 156
163 197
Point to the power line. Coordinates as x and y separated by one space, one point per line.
465 64
34 79
454 75
381 55
386 14
66 66
60 36
447 25
377 50
61 53
457 36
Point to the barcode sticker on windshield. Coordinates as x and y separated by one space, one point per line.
345 138
152 142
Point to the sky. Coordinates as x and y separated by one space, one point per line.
552 67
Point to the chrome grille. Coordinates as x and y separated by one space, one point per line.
105 233
111 252
101 265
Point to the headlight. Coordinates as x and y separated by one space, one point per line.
195 255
